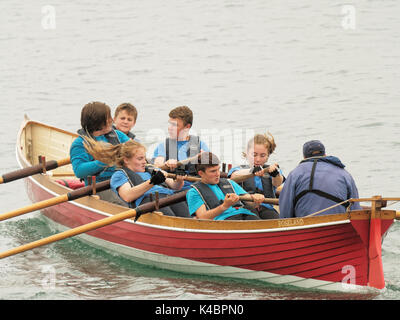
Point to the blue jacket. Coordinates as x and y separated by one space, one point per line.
330 177
84 164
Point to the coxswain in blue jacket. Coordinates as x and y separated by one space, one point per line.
318 182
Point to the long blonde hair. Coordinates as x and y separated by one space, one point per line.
112 155
266 139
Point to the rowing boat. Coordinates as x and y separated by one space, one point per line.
337 252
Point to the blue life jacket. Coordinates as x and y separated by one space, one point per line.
171 152
210 199
250 186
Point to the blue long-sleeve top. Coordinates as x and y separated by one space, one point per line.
85 165
330 177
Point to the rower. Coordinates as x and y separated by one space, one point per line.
96 123
180 145
266 179
217 198
134 182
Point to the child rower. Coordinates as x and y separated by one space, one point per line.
132 181
266 179
180 145
96 123
216 198
125 117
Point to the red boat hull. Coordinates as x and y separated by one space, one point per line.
332 253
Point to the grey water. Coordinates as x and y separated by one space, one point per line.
326 70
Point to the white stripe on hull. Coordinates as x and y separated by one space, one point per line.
183 265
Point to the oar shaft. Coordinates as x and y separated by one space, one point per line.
29 171
34 207
70 233
147 207
187 178
274 201
73 195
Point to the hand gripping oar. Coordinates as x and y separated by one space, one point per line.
29 171
73 195
274 201
180 162
244 177
248 197
144 208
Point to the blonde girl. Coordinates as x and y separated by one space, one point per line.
132 181
258 150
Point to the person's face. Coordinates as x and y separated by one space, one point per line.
257 155
124 121
177 129
137 162
211 175
105 129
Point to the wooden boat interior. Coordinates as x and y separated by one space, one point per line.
38 139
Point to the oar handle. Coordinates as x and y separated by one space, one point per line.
181 162
29 171
244 177
187 178
246 197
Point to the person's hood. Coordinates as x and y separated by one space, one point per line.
329 159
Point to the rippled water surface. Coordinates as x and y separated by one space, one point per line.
314 70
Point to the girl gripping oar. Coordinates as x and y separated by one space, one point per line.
266 178
132 181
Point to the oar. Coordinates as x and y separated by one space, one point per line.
29 171
145 208
72 195
187 178
274 201
180 162
248 197
241 178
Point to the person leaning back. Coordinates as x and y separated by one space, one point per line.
318 182
96 122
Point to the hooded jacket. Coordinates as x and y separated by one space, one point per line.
329 178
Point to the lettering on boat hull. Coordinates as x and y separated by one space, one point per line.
291 222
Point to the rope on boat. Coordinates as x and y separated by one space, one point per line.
331 207
348 208
394 202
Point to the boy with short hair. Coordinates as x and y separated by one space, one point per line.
216 198
125 117
180 145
